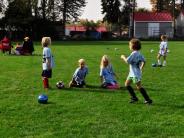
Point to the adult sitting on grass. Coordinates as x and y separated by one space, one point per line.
27 47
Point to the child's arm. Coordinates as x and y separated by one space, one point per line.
123 57
142 65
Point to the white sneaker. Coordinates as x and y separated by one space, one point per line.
164 64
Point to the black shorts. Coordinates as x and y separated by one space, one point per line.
75 84
47 73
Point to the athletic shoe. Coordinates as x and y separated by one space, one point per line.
134 100
148 102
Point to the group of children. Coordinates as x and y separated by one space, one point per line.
135 60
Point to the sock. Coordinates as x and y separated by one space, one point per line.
131 92
159 63
164 63
46 83
144 94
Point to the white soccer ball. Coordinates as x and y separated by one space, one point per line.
151 50
60 85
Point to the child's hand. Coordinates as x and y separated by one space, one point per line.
123 56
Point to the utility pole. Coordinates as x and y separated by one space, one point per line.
131 22
64 16
174 22
133 17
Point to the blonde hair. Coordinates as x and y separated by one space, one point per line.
163 37
104 58
81 61
46 41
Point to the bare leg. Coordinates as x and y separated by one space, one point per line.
158 58
164 63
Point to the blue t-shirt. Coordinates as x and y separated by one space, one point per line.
108 74
135 60
80 74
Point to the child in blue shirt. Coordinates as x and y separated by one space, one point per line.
107 74
79 75
136 63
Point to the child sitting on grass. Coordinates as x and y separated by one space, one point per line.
136 62
79 76
162 51
107 74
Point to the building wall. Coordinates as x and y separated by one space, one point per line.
141 29
166 28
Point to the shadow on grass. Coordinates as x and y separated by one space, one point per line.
173 106
33 55
92 88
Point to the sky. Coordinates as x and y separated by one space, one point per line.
92 11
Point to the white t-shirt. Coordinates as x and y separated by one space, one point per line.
47 54
163 47
134 60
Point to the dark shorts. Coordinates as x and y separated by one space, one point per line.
47 73
75 84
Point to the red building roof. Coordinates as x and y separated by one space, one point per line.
153 16
83 29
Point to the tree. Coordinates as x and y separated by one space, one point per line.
70 9
90 25
142 10
111 10
164 5
182 4
2 6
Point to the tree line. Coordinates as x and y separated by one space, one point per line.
40 17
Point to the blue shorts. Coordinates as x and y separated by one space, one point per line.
47 73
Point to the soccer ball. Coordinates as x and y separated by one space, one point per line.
60 85
151 50
42 98
116 49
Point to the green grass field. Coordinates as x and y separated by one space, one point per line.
91 112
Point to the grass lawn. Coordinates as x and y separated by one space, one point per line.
91 112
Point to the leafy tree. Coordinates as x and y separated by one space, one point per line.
142 10
70 9
90 24
111 10
2 6
182 4
164 5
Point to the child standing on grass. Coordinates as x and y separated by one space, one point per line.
136 62
107 75
79 76
47 63
163 50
